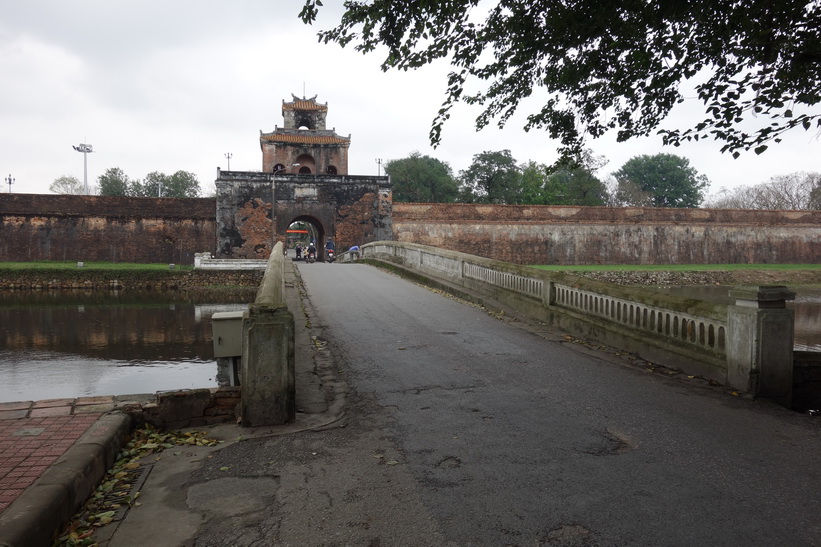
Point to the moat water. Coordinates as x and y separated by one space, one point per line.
806 307
64 345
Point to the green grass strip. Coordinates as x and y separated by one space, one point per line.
678 267
100 266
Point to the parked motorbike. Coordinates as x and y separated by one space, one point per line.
330 253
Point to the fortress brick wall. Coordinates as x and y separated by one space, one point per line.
101 228
566 235
97 228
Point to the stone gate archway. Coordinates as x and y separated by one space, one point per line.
254 210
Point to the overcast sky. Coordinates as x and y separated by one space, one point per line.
168 86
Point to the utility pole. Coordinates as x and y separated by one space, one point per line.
379 167
10 181
229 155
85 149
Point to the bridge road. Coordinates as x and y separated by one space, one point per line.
513 439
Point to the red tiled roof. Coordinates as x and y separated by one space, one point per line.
304 105
306 139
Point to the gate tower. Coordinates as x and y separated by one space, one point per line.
304 145
304 178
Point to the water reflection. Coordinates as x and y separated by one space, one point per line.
807 306
61 344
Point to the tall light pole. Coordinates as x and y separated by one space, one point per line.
85 149
9 181
229 155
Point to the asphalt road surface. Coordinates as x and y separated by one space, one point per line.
514 438
464 428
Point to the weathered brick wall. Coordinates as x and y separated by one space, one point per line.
605 235
356 210
352 210
101 228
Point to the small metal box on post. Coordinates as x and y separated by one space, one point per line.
760 342
227 330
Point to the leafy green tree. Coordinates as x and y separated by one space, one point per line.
67 185
576 185
533 185
181 184
152 186
607 65
493 177
422 179
113 182
662 180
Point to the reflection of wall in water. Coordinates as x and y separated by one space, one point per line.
148 332
808 323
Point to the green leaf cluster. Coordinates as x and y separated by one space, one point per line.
495 177
422 179
608 66
661 180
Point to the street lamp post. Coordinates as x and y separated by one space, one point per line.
85 149
10 181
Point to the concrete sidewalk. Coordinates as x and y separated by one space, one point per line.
53 453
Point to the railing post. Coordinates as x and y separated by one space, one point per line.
268 384
268 378
760 342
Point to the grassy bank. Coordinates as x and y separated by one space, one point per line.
96 266
681 267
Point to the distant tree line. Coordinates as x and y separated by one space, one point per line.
114 182
662 180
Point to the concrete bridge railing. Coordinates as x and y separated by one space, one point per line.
268 379
747 346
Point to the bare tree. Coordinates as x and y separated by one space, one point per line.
66 185
796 191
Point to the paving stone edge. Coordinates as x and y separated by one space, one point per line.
33 518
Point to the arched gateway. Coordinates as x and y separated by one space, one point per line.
304 178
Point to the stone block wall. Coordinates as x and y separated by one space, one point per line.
101 228
353 210
604 235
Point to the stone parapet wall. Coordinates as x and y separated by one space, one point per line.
471 212
188 408
606 235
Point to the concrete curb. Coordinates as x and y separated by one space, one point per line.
33 518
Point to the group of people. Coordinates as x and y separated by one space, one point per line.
330 246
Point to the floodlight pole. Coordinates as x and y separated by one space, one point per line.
85 149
